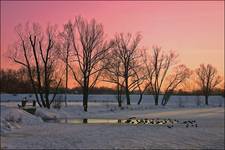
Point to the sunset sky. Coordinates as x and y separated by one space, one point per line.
194 29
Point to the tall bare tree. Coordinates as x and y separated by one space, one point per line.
145 78
34 49
64 51
158 69
207 79
178 76
88 50
127 50
113 74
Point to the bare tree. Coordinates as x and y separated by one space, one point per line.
126 49
123 64
207 79
64 51
140 82
34 50
176 78
113 74
145 78
88 50
158 69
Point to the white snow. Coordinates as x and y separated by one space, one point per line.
12 118
30 132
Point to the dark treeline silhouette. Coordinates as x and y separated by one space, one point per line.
95 90
17 81
49 57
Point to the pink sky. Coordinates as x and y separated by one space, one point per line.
194 29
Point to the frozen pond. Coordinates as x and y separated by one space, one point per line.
133 120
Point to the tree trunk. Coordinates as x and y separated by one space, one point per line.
33 86
206 99
128 96
38 72
119 100
48 104
42 98
165 99
127 92
47 101
65 99
85 98
46 84
140 98
66 82
37 99
156 99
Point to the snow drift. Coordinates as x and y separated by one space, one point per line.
15 118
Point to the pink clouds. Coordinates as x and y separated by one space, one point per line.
194 29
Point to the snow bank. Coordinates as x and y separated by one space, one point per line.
45 113
15 118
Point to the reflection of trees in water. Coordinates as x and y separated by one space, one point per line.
85 120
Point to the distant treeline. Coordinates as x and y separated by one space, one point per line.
16 81
106 90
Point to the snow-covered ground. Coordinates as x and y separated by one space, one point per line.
25 131
183 100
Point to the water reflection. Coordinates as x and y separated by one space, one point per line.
116 121
135 121
85 120
90 121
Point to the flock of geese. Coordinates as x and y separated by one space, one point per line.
169 122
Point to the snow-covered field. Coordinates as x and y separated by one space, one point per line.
22 130
185 100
